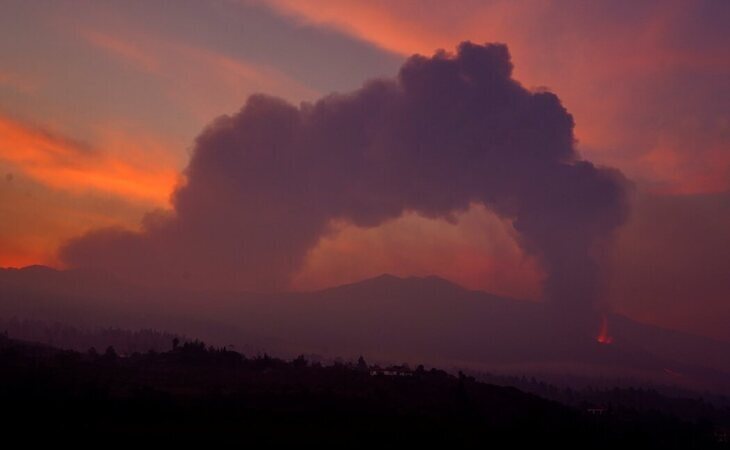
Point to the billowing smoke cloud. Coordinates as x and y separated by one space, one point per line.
449 131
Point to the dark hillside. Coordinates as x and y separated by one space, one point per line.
197 393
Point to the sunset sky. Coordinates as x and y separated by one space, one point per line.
101 103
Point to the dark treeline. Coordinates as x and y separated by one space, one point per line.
682 403
63 336
197 393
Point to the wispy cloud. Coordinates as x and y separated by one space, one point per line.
140 58
63 163
202 80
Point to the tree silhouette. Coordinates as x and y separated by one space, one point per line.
110 354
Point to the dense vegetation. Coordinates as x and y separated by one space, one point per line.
64 336
624 397
198 393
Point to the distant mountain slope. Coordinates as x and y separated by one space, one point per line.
81 339
413 319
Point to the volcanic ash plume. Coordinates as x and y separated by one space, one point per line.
448 131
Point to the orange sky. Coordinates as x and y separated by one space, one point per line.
99 108
61 163
49 181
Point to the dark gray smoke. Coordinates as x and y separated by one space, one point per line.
264 184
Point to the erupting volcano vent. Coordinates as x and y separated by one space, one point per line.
603 336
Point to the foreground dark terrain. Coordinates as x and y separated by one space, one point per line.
202 394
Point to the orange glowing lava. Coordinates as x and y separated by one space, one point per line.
603 336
